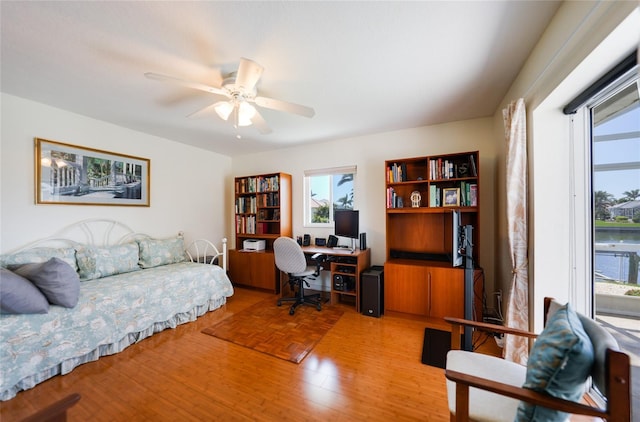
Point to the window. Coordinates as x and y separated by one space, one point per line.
615 120
325 191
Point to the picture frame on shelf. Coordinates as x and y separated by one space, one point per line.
74 175
451 197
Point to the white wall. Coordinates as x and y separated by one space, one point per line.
369 153
188 185
567 59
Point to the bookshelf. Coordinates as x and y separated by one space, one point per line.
421 193
262 212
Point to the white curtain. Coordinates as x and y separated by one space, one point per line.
516 348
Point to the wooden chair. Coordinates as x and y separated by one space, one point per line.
470 389
56 412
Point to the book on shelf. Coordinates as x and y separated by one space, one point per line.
472 163
473 195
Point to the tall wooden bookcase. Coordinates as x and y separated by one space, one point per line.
262 212
422 192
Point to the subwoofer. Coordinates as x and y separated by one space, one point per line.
372 292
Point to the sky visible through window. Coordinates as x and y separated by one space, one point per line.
618 151
320 188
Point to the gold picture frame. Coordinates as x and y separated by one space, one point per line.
73 175
451 197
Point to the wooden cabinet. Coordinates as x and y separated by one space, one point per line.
262 212
422 192
428 289
253 269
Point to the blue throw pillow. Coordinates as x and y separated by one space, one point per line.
56 279
19 296
559 364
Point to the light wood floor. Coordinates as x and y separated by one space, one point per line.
363 369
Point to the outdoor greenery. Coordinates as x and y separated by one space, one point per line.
603 200
633 292
321 213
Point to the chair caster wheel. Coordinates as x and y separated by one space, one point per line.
279 303
292 311
319 308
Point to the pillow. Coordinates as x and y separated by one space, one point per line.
559 364
161 252
56 280
97 262
29 256
19 296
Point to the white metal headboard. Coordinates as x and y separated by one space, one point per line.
106 232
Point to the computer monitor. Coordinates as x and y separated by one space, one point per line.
456 256
347 224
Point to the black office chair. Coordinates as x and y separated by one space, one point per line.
291 260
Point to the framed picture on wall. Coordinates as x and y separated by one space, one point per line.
451 197
74 175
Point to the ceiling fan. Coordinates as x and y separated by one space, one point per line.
239 90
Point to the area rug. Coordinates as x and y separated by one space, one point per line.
268 328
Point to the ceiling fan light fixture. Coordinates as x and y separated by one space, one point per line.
223 109
245 113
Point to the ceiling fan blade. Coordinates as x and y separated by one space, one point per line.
249 72
210 109
285 106
188 84
258 121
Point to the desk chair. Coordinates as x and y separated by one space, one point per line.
570 349
291 260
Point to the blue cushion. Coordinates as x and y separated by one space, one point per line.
559 364
56 279
19 296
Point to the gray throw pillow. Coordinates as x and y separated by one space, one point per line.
19 296
56 279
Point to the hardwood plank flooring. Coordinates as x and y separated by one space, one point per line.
363 369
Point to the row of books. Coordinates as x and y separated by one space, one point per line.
397 173
246 224
269 215
246 205
394 200
271 199
258 184
468 194
440 169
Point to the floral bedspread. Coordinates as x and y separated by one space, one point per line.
112 313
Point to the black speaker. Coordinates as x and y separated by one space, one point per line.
363 241
372 292
435 347
306 240
332 242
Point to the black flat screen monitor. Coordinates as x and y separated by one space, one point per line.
347 223
456 227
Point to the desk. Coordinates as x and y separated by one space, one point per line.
346 268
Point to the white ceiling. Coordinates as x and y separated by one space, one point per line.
365 67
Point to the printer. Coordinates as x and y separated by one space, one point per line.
253 245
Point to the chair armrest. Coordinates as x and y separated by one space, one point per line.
464 381
458 323
319 257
